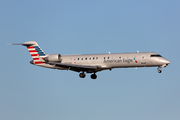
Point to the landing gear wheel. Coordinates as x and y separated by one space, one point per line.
93 76
159 71
82 75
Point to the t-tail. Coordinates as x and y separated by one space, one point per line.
35 51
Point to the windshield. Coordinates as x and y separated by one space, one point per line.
156 55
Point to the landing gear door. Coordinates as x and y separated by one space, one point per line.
143 59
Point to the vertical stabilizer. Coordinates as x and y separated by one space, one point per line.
35 51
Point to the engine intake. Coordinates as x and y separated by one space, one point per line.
53 58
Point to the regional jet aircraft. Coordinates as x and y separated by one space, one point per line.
93 63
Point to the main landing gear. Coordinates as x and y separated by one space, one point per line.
159 71
93 76
83 75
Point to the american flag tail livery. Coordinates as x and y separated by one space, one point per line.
35 51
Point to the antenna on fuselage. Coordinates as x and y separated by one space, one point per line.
137 51
109 52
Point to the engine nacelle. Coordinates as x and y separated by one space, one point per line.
53 58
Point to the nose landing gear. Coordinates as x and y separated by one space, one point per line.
159 71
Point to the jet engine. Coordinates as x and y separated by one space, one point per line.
53 58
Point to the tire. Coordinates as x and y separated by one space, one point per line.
82 75
93 76
159 71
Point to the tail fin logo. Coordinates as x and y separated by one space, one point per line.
35 50
37 54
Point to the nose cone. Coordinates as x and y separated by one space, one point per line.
164 61
168 62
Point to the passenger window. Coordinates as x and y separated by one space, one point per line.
81 58
104 57
108 58
156 55
85 58
78 58
93 58
119 57
89 58
96 57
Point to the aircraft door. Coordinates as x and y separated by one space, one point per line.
143 59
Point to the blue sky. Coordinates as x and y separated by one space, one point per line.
89 27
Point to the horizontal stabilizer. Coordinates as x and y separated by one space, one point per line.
24 44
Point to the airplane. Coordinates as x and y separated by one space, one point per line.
93 63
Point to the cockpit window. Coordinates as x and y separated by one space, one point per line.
156 55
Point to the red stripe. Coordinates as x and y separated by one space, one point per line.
34 54
39 62
30 47
32 51
35 58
